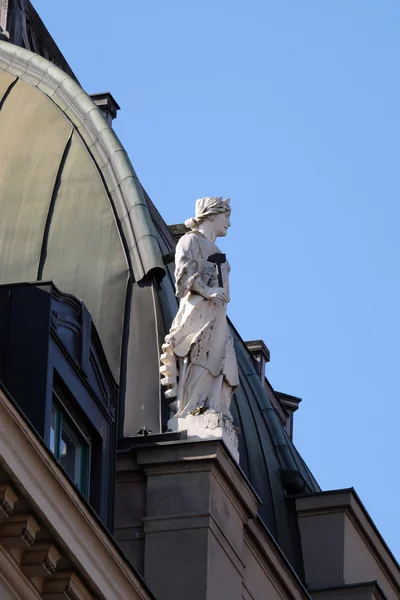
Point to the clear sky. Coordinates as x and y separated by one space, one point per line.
291 108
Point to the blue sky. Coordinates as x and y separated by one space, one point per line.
292 109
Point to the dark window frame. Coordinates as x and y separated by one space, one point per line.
65 421
48 338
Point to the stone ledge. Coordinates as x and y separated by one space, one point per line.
201 455
208 425
340 516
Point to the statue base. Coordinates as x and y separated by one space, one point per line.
208 425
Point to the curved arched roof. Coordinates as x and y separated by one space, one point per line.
71 206
116 169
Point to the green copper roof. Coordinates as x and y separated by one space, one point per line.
71 206
111 159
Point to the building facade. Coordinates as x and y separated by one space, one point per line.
97 499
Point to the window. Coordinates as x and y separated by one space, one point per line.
70 446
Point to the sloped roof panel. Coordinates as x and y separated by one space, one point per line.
122 184
32 142
71 206
6 80
84 251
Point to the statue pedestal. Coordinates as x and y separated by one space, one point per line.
208 425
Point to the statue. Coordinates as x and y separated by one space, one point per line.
199 365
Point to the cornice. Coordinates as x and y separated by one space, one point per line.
272 560
78 534
346 501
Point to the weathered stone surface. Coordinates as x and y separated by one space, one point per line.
19 531
208 425
199 367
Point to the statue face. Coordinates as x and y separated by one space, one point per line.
221 223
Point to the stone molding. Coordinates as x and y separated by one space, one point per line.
16 580
369 590
273 561
8 498
19 531
76 535
65 585
172 457
347 503
195 491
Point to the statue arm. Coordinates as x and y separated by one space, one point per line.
187 269
188 261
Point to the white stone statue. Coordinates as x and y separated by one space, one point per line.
199 365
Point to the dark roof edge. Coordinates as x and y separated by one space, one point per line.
276 428
59 58
282 555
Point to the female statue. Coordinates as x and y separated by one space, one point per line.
199 362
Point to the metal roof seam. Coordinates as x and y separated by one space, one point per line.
71 99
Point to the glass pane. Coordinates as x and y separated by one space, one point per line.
70 447
71 452
53 429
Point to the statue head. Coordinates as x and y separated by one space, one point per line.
213 209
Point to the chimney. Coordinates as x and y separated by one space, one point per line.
291 404
107 104
261 355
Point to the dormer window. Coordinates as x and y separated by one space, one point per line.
54 366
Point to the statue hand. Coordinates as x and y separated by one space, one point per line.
218 293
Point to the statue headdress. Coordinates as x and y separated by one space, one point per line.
206 207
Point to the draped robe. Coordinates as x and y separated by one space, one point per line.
199 337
